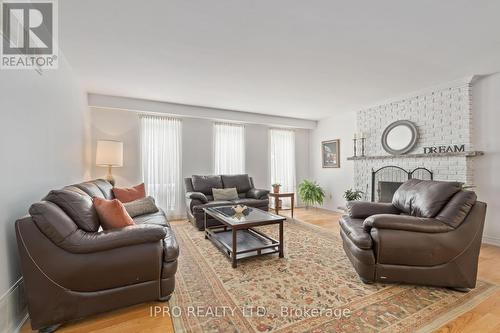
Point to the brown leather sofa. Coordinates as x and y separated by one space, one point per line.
199 195
430 235
71 270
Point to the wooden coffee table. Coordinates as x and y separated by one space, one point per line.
236 236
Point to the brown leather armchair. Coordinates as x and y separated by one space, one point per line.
71 270
430 235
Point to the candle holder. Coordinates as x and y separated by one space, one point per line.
363 146
355 144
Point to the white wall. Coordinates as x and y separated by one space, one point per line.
43 121
485 135
193 111
333 180
442 116
197 148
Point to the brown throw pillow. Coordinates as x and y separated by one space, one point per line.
130 194
112 214
141 206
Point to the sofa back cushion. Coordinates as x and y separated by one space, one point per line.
242 183
105 187
52 221
91 189
188 184
424 198
225 193
457 209
205 184
77 205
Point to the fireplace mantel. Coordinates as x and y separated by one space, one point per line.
464 154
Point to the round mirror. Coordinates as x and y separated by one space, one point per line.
400 137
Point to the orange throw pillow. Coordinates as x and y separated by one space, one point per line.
130 194
112 214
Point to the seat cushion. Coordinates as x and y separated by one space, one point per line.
353 228
170 246
251 202
241 182
158 218
199 208
424 198
205 184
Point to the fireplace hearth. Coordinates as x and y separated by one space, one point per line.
386 180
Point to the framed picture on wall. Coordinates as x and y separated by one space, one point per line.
330 153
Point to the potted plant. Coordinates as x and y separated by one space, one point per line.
311 193
276 187
352 195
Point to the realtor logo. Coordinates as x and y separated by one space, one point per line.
29 30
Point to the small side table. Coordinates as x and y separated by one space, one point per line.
277 197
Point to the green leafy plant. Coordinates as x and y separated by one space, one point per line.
311 193
352 195
276 185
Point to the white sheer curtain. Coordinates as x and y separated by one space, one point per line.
161 157
229 148
282 159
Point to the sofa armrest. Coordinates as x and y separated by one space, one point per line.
406 223
90 242
363 209
196 196
255 193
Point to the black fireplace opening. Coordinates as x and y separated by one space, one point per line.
387 180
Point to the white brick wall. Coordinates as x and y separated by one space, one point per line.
442 116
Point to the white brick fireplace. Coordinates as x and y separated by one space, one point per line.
442 116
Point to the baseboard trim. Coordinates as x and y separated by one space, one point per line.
11 289
491 240
18 328
13 308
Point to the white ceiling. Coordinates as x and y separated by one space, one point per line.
305 59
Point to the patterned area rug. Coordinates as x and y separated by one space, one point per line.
313 289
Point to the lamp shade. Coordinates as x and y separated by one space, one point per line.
109 153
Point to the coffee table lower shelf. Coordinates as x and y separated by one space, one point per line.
249 242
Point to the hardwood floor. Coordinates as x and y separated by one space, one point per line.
484 318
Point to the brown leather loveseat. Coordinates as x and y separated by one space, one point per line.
430 235
71 270
199 195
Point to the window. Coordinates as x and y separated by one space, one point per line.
161 161
282 159
229 149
